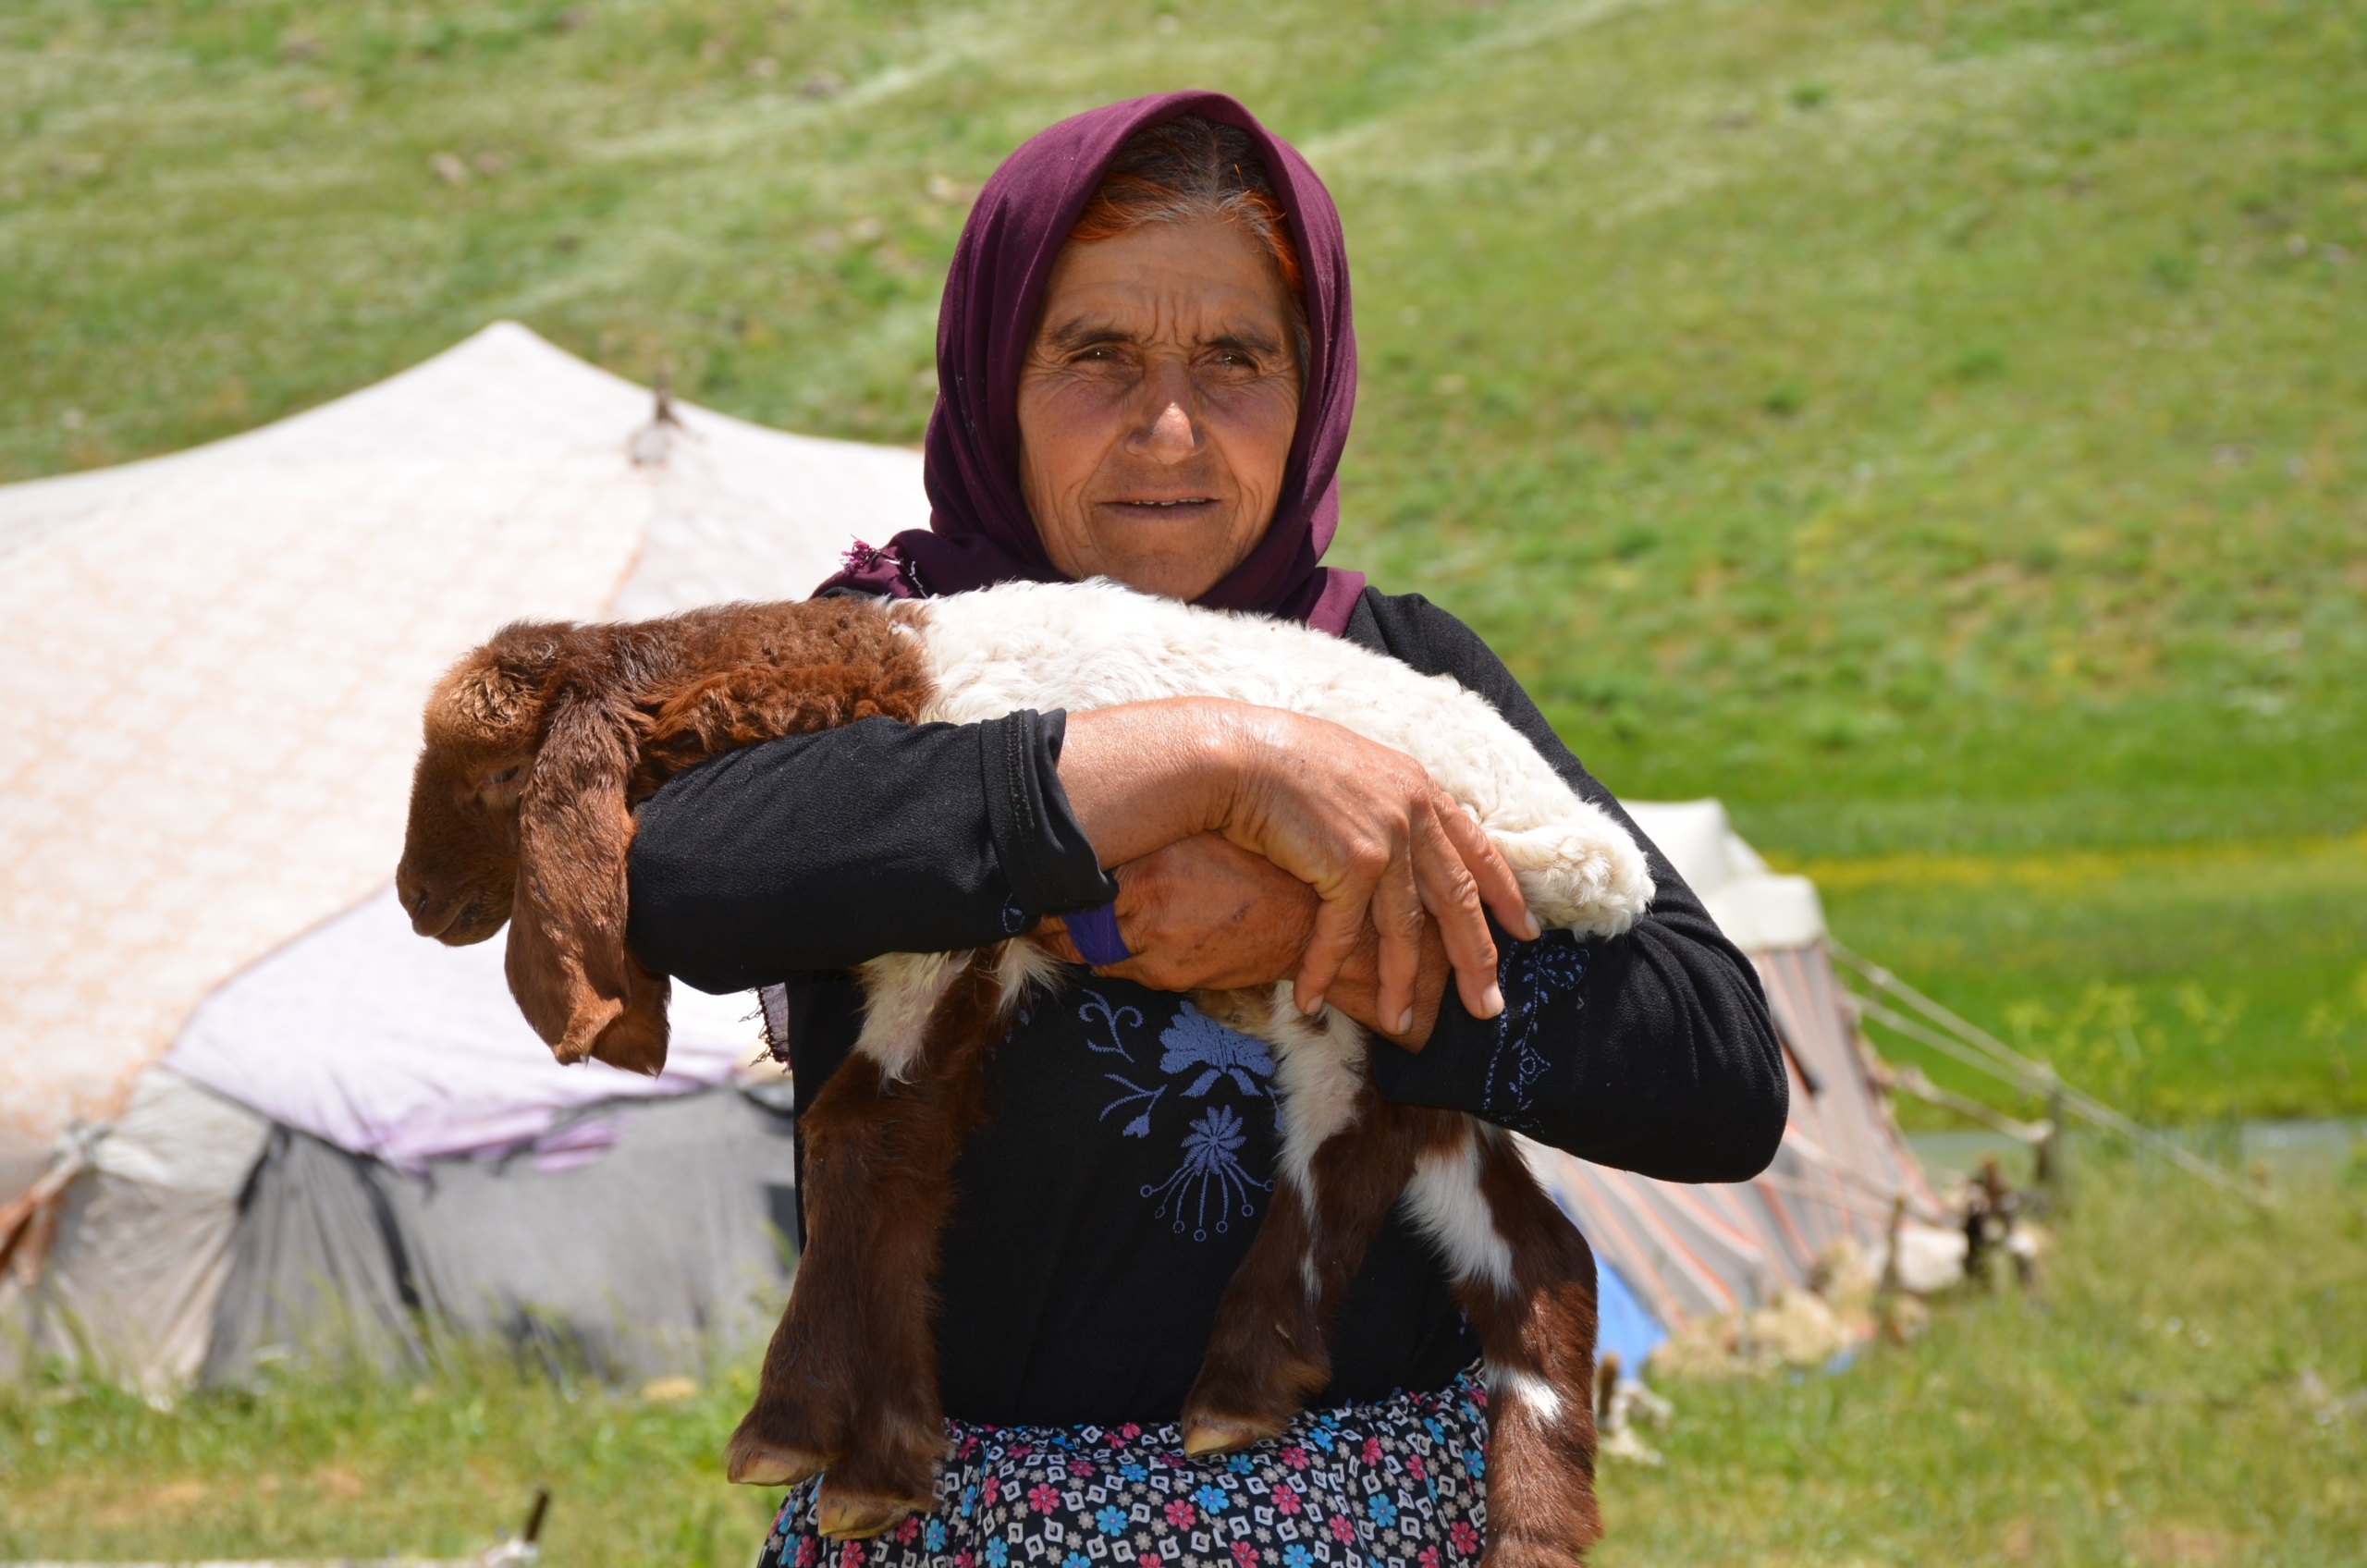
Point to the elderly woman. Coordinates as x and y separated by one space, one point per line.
1146 371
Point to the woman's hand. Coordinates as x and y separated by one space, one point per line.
1356 991
1204 911
1360 824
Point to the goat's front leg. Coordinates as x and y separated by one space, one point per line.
1527 1283
803 1413
849 1384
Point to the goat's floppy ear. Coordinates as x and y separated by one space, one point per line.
494 696
566 962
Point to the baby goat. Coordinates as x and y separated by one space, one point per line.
539 743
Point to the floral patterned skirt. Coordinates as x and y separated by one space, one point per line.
1399 1484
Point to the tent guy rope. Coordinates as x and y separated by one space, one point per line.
1983 1051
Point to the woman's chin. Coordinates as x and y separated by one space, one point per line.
1163 558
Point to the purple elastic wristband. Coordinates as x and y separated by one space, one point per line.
1095 932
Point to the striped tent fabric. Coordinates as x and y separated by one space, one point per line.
1689 1250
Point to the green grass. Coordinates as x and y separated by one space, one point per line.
2191 1386
1937 429
329 1466
2156 1406
2184 983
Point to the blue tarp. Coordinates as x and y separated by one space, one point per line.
1625 1326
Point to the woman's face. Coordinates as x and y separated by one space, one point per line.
1156 406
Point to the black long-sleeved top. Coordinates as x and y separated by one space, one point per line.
1129 1153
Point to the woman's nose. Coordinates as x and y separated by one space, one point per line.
1171 433
1171 436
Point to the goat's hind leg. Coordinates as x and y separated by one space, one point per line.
1527 1286
1345 1157
1266 1349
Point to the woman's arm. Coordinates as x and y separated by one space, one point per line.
1205 913
1651 1051
821 851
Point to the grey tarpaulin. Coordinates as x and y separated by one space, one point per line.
142 1242
662 1252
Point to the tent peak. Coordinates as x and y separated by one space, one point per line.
1756 909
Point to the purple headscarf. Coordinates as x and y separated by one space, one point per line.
979 530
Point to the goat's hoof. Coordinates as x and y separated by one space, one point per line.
841 1517
632 1045
1205 1435
750 1462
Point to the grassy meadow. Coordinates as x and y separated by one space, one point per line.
1939 430
2211 1412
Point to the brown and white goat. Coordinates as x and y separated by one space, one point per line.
539 743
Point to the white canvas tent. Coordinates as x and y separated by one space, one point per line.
220 657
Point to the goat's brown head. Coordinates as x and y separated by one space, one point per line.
517 816
484 723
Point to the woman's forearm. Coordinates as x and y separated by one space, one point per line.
1142 775
1652 1052
825 851
821 851
1203 911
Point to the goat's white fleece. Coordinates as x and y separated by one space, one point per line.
1093 644
1078 645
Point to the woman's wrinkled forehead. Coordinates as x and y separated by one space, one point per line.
1202 286
1029 208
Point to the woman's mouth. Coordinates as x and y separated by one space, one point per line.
1167 504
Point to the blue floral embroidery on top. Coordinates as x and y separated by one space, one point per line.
1211 1173
1196 1040
1112 1017
1115 1019
1534 976
1200 1056
1147 1098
